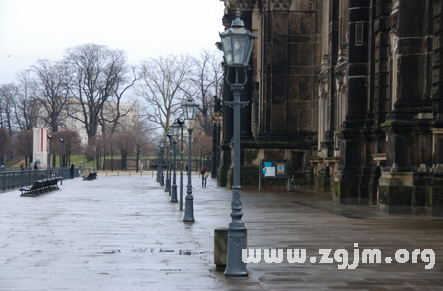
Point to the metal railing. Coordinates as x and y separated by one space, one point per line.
11 180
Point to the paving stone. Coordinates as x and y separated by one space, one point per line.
123 233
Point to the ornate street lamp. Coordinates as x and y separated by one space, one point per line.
162 177
158 163
61 161
237 43
189 111
181 123
49 163
174 130
168 135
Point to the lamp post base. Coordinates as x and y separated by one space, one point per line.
167 184
235 267
189 209
174 193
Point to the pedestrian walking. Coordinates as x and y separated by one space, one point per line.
203 172
71 169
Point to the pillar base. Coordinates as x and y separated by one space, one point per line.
346 183
222 176
395 192
434 197
324 179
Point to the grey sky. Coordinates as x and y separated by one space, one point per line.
44 29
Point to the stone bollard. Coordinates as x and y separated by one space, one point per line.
220 248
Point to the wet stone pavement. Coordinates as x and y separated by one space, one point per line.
122 233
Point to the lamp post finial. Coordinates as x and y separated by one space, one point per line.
237 22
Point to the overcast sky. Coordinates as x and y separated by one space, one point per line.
44 29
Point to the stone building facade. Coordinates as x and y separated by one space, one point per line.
349 91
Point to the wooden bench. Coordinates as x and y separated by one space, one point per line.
41 186
90 176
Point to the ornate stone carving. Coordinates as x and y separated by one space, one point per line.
340 76
323 88
393 18
244 5
272 5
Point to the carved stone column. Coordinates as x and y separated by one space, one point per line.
434 200
407 128
347 182
276 85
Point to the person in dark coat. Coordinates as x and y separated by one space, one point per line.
203 172
71 169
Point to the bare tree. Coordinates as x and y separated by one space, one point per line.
203 145
162 79
207 75
112 115
125 144
103 143
71 144
52 83
5 146
8 94
22 145
111 142
99 72
26 113
142 133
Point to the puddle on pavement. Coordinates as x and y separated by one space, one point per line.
110 252
174 251
157 250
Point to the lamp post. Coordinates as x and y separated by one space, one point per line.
174 130
181 123
49 158
168 156
189 110
61 161
157 151
94 150
237 43
162 177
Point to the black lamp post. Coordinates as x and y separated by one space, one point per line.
162 177
157 151
189 111
61 161
237 43
174 130
168 156
49 158
181 123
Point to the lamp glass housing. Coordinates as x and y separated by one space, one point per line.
237 43
189 108
175 129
